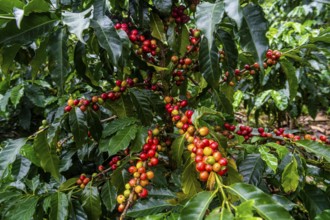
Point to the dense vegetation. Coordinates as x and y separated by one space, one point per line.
129 109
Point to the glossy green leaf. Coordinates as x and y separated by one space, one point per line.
263 203
78 22
140 138
78 126
9 152
39 59
161 193
76 211
122 107
116 125
108 37
280 99
280 149
252 35
252 169
16 94
245 210
238 96
229 47
209 63
234 11
91 202
208 15
190 184
142 105
67 184
163 6
148 207
317 148
290 73
49 161
262 98
58 60
314 199
20 168
7 61
269 158
108 196
325 215
32 27
38 6
94 124
8 5
59 206
196 207
120 140
177 147
28 152
290 177
23 209
157 28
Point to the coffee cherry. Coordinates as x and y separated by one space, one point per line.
101 168
144 193
121 199
203 176
223 162
121 208
203 131
67 108
86 181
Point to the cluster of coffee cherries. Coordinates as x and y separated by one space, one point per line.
145 47
245 131
179 15
203 150
184 64
95 101
113 164
83 180
206 155
272 57
140 176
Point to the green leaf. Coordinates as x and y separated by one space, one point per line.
208 15
4 101
122 107
39 59
108 37
317 148
238 96
234 11
78 126
8 5
116 125
35 95
177 148
67 184
280 99
76 211
9 58
59 206
94 124
109 195
290 73
23 209
49 161
157 28
28 152
163 6
280 149
16 94
229 47
142 105
38 6
252 35
263 203
78 22
290 177
91 202
269 158
209 63
314 199
245 209
252 169
9 152
32 27
190 184
148 207
161 193
139 140
196 207
58 60
121 140
325 215
262 98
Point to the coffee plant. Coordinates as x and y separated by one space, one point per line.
131 109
